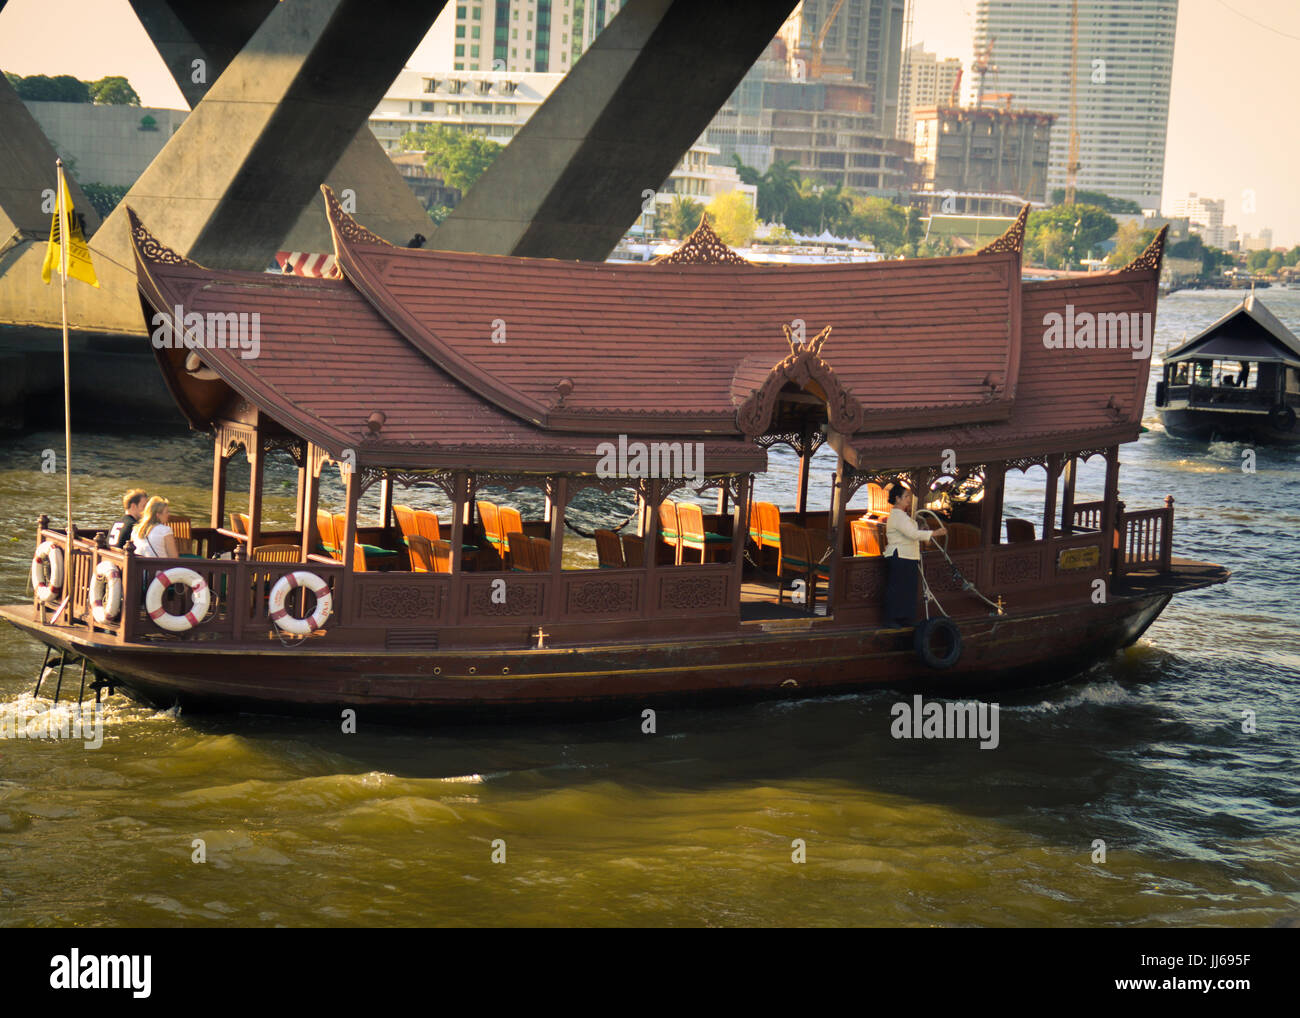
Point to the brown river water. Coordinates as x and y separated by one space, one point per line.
696 824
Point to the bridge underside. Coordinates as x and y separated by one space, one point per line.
281 94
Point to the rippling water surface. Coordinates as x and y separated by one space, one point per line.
695 824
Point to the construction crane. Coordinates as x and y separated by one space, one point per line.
982 65
1072 157
816 62
956 89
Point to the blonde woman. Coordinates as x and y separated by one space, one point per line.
153 537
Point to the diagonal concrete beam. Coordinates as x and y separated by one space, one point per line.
570 183
27 165
184 32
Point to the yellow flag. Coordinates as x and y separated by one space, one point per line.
79 266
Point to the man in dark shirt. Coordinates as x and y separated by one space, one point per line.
133 502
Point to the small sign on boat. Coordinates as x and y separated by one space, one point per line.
1079 558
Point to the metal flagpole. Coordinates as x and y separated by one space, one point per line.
64 240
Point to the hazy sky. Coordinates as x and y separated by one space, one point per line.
1233 106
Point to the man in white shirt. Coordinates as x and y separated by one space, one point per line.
903 554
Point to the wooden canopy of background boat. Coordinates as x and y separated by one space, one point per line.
1238 379
418 367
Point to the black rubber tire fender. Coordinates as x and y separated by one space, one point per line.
1282 418
942 633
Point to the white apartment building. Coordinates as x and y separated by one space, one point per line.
1125 60
926 81
543 36
1205 216
1262 241
496 104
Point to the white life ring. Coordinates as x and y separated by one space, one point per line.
177 623
106 592
280 615
47 554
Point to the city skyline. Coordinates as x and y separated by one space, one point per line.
1210 113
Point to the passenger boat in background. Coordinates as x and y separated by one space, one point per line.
670 382
1237 380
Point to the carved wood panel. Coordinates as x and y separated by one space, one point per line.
694 590
611 592
508 596
1019 567
405 599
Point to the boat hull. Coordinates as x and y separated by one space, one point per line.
784 659
1211 425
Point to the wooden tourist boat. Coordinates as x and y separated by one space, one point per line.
459 376
1237 380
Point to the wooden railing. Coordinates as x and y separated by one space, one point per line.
1088 515
1144 539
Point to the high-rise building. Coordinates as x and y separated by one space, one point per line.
1262 241
1205 216
926 82
1125 60
827 129
861 40
545 36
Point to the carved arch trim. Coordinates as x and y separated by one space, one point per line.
804 364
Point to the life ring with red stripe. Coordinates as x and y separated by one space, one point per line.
47 571
106 592
280 592
198 590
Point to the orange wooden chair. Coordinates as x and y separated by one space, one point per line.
633 551
324 533
669 530
510 522
441 551
962 536
802 558
275 553
421 554
490 519
691 532
1019 531
541 549
239 523
519 552
405 517
609 552
868 537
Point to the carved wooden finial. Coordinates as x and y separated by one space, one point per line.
150 248
702 247
1152 255
1013 240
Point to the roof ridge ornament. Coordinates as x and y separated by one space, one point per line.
702 247
814 345
1151 256
150 248
1013 240
342 223
801 365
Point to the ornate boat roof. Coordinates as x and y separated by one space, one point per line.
502 362
1249 331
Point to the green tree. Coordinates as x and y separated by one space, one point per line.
1130 241
880 221
1256 261
1064 234
113 91
1274 262
1103 201
104 197
733 218
458 158
682 217
63 88
1292 256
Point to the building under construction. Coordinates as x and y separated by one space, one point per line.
985 150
